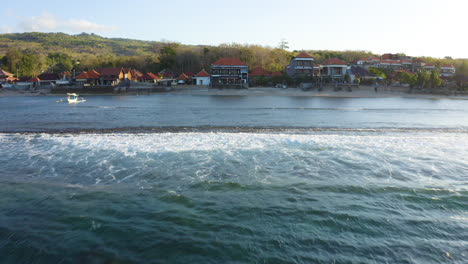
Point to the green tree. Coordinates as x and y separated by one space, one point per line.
13 57
29 65
60 62
435 80
377 72
167 57
422 78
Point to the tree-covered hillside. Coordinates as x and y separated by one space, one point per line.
29 54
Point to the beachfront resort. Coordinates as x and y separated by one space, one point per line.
302 71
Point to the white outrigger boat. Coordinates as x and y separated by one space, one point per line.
72 98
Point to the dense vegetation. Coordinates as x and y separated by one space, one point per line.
29 54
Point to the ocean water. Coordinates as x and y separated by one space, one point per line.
187 179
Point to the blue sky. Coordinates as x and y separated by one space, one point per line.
415 27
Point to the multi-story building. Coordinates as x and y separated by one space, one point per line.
447 70
229 72
301 64
334 68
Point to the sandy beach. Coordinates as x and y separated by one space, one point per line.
361 92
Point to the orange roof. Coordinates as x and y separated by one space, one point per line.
149 76
230 62
334 61
5 73
202 73
276 73
92 74
259 71
35 79
182 77
430 65
304 55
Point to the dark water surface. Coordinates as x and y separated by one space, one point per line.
212 179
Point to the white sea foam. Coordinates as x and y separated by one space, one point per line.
105 158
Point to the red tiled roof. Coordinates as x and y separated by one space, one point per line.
334 61
430 65
8 79
406 61
109 71
203 73
182 77
167 75
304 55
92 74
276 73
35 79
447 66
49 76
259 71
149 76
230 62
5 73
389 56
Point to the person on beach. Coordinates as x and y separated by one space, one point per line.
375 86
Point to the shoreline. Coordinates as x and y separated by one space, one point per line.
328 92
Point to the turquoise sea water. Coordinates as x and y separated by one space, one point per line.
184 179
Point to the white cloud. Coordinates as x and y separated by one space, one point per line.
45 22
48 22
5 29
86 26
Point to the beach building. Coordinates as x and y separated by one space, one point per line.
406 64
430 67
418 64
35 82
202 78
301 64
334 68
182 79
149 78
259 72
229 73
358 72
389 64
111 76
447 70
127 74
6 77
48 79
91 77
368 61
259 76
136 75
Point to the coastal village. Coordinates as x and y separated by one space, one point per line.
302 71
